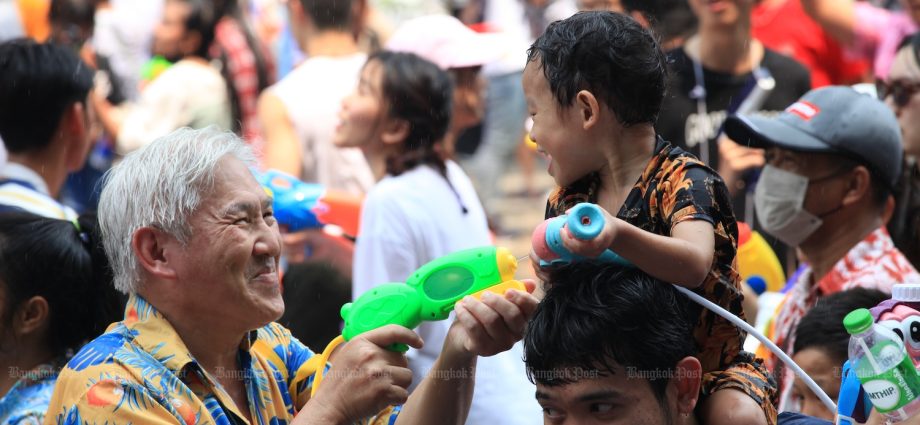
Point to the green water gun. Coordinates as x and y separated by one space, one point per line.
429 294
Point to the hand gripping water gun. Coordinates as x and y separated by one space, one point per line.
429 294
586 221
300 205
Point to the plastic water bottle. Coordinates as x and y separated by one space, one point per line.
883 367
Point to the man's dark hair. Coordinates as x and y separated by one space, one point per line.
822 327
596 316
202 18
610 55
38 82
329 14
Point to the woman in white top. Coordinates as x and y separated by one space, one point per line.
422 207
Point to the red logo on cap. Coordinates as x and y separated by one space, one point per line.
804 110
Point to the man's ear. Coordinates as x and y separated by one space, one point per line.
395 131
31 316
150 246
688 376
588 109
74 122
859 186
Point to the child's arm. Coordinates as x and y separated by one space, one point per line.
684 258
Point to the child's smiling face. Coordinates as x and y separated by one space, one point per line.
362 111
559 131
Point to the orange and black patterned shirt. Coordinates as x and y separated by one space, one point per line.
676 187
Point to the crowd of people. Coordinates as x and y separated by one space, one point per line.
141 260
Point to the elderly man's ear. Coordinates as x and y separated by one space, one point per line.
153 247
685 384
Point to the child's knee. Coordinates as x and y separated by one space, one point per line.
729 406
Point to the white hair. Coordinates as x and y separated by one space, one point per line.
160 185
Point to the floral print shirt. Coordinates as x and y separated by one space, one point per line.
140 372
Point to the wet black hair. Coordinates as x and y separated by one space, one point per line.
598 315
38 83
822 327
65 264
608 54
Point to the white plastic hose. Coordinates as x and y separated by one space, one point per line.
766 341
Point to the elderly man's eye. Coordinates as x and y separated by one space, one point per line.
269 217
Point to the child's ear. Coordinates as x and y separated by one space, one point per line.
588 109
395 131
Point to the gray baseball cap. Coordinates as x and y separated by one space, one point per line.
832 119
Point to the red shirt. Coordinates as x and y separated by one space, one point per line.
873 263
786 28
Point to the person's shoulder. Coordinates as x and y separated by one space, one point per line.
782 66
678 60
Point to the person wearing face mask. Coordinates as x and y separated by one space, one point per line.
832 160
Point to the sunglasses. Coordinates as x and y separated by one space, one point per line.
901 91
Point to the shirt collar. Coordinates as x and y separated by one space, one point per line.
875 245
155 335
14 171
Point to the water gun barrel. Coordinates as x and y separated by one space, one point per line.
585 221
431 291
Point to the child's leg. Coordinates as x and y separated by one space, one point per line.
731 406
742 394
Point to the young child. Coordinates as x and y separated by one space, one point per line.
594 85
822 344
422 207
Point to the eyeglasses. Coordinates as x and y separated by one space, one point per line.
901 91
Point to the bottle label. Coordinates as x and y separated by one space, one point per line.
893 388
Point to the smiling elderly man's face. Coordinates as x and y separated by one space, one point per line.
231 261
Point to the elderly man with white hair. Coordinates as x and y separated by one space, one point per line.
192 239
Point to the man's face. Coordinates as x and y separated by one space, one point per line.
170 38
826 373
721 12
827 177
614 398
558 130
230 264
904 100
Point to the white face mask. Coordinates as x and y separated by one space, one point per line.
779 200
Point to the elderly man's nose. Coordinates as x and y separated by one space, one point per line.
269 242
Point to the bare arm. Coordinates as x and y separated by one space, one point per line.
282 150
684 258
482 328
837 17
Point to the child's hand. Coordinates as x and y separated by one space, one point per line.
592 247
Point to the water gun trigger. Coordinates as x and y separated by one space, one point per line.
501 289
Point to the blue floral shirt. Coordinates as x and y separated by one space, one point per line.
27 401
140 372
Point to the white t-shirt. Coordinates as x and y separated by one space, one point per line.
312 94
409 220
188 94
